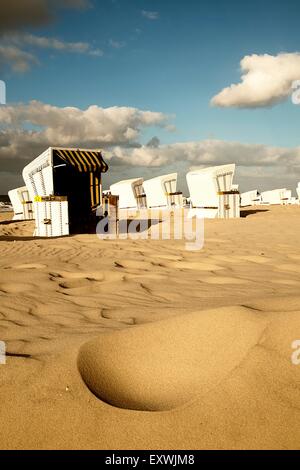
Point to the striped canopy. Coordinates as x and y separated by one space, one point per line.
85 161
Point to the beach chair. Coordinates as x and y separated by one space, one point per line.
21 203
161 192
131 194
298 191
211 193
289 199
250 198
65 185
276 197
5 207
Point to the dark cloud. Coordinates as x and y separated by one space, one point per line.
19 14
16 14
154 142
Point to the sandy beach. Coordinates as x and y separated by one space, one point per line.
141 344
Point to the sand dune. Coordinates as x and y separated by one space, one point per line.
140 369
142 344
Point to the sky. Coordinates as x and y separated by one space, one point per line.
160 86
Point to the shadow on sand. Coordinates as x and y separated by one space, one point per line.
10 222
12 238
246 213
125 226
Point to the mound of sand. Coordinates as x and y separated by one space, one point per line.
163 365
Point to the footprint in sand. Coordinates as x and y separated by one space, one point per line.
100 276
77 275
74 283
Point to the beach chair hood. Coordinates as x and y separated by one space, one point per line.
82 160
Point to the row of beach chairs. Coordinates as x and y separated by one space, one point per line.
67 182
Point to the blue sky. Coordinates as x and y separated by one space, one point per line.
166 56
174 64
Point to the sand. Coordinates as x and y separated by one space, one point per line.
141 344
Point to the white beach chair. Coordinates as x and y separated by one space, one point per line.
161 192
66 187
5 207
211 192
276 197
289 199
298 191
22 204
131 193
250 198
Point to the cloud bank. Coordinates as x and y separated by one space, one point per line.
210 152
266 80
28 129
69 126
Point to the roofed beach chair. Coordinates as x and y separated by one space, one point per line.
65 185
161 192
22 204
250 198
131 193
276 196
211 193
298 192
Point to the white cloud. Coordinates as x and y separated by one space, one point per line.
19 60
210 152
116 44
93 127
150 15
258 166
53 43
266 80
117 129
69 126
